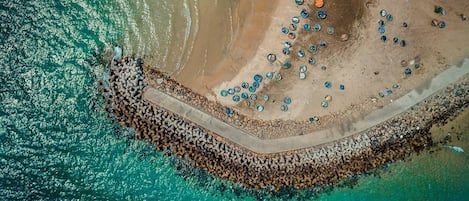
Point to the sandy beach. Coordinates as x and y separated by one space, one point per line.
364 64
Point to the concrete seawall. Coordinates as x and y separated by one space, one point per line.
317 166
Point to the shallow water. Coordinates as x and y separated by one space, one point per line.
56 141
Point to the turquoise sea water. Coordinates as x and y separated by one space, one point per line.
56 141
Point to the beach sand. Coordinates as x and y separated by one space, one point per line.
237 50
225 42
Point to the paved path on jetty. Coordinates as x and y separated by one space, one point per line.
258 145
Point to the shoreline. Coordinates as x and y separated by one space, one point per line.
318 166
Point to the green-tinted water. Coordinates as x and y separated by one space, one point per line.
56 142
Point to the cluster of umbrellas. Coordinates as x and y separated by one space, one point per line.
387 17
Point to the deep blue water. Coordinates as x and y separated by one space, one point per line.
56 141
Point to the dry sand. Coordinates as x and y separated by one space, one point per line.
225 44
352 63
255 32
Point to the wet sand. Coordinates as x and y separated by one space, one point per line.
225 42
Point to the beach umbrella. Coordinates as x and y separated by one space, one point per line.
271 58
323 67
381 30
307 27
257 78
302 68
403 43
381 23
342 87
253 97
260 108
299 2
245 85
265 97
319 3
236 98
328 84
322 14
384 38
322 44
278 77
344 37
383 13
408 71
293 27
442 24
389 17
312 61
330 30
291 35
231 91
295 20
229 111
301 53
317 27
252 89
285 30
284 108
324 104
224 93
304 13
287 64
395 40
288 44
302 76
286 51
313 48
255 84
269 75
287 100
244 95
237 89
328 98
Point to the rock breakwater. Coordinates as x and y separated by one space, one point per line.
317 167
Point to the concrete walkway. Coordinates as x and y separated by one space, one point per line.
303 141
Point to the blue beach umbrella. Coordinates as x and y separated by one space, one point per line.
304 13
287 100
224 93
301 53
295 20
299 2
287 64
257 78
408 71
245 85
236 98
285 30
286 51
313 48
269 75
381 30
328 84
244 95
307 27
312 61
252 89
342 87
231 91
322 14
317 27
255 84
